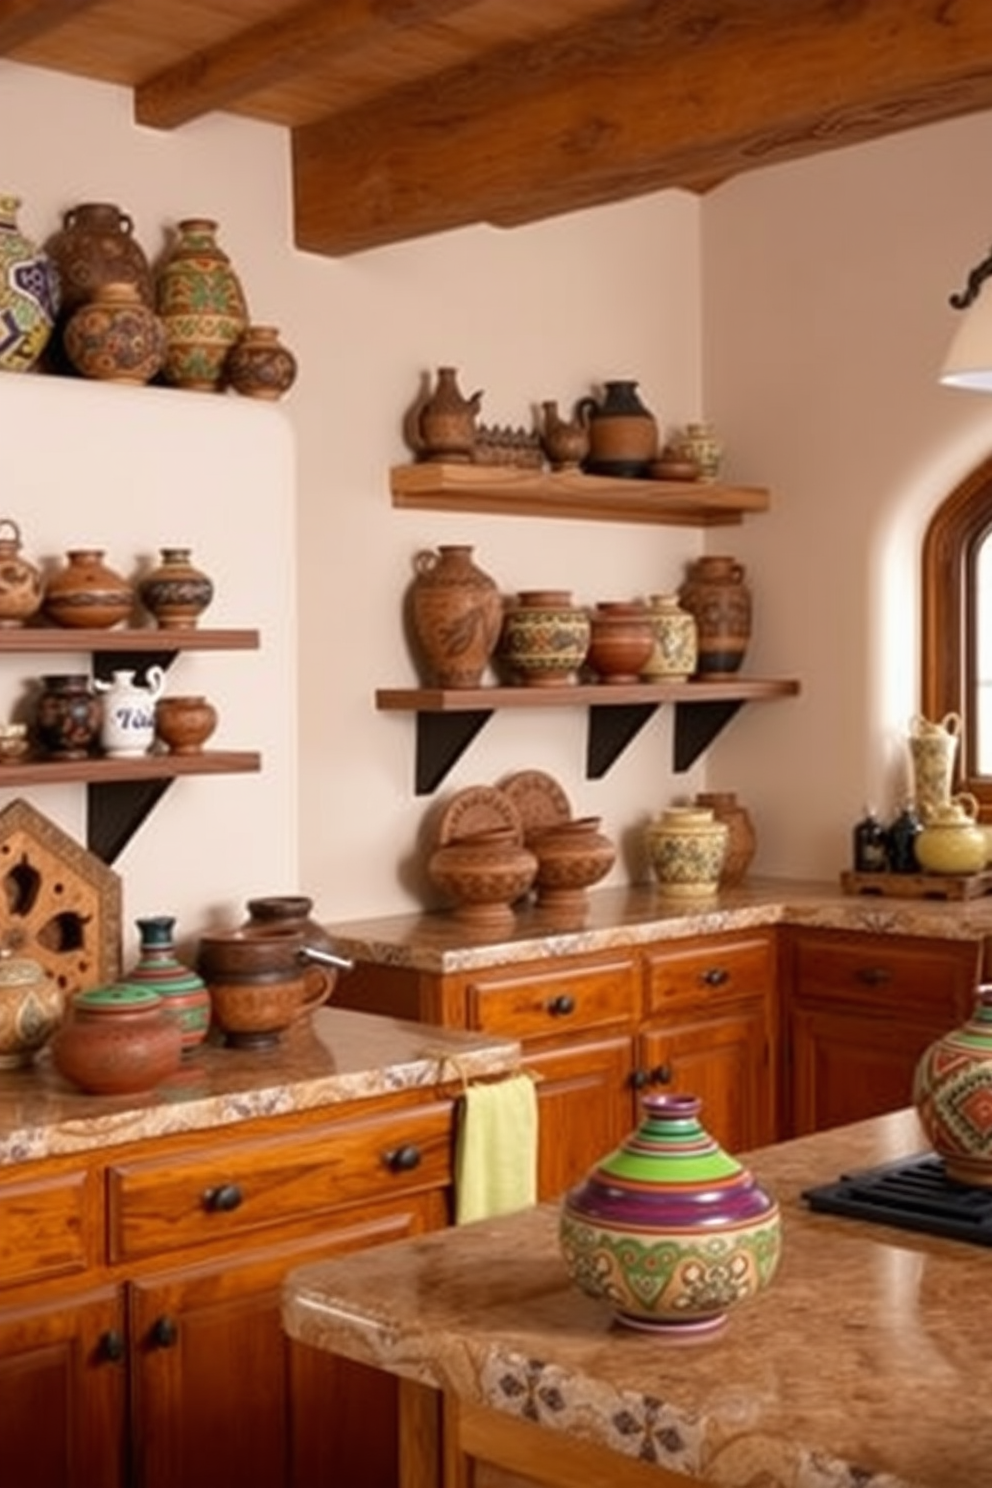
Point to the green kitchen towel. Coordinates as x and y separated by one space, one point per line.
496 1149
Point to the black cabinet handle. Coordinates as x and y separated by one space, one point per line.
715 977
111 1346
639 1079
223 1198
661 1074
164 1333
402 1159
873 976
561 1006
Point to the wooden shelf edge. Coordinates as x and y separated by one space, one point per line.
514 491
469 699
42 638
148 767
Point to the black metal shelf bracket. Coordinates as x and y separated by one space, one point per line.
611 729
442 739
115 809
697 725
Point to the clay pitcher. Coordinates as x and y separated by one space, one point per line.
457 614
623 434
933 750
446 422
715 592
564 441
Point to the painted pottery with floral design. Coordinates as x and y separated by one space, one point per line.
544 638
87 593
742 841
31 1008
21 591
117 1040
174 591
259 365
184 994
29 293
95 246
202 304
457 613
115 337
933 748
686 847
676 641
671 1231
952 1092
66 724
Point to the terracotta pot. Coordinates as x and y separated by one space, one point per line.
67 717
260 984
544 638
87 594
742 842
445 424
184 994
623 434
115 337
175 592
669 1230
483 874
117 1040
571 857
259 365
184 724
457 614
283 915
202 305
96 246
20 581
564 441
952 1092
621 641
716 594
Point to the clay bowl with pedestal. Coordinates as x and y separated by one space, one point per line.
483 874
571 857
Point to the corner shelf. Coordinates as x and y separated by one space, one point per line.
449 719
120 793
513 491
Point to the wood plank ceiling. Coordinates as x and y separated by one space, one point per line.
413 116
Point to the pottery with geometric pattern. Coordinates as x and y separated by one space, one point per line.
952 1092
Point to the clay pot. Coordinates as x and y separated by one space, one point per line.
94 247
676 641
20 581
742 842
623 434
184 994
259 365
571 857
31 1008
952 1092
259 985
669 1230
115 337
283 915
686 848
29 293
67 717
716 594
86 593
445 424
184 724
564 441
621 641
117 1040
483 874
698 443
544 638
457 614
202 305
174 592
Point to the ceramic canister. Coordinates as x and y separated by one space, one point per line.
545 638
686 848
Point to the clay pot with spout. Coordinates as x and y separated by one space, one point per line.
564 441
444 429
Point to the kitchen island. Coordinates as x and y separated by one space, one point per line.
862 1366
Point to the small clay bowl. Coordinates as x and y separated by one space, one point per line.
673 470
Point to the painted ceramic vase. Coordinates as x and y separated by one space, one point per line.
621 641
716 594
671 1231
86 593
544 638
117 1040
571 857
259 365
483 874
742 842
952 1092
67 717
184 724
96 246
184 994
623 434
175 592
31 1008
21 590
565 442
115 337
457 614
686 847
445 426
200 300
29 293
933 749
127 726
951 840
676 641
699 443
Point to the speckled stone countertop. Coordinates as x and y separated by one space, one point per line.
439 942
862 1366
332 1057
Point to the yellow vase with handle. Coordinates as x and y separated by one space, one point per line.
933 751
952 841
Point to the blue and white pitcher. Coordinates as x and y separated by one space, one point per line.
128 726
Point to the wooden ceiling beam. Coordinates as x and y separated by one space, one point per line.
658 95
22 21
272 50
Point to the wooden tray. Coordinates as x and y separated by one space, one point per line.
919 885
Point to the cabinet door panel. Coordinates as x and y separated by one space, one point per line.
847 1068
62 1395
724 1061
584 1108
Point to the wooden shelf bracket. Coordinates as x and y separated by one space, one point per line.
697 725
611 729
442 739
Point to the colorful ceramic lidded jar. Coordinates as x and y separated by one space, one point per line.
29 293
545 638
117 1040
174 591
457 614
184 994
669 1229
742 842
686 847
201 302
86 593
21 591
952 1092
31 1007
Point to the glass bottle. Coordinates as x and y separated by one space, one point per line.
870 853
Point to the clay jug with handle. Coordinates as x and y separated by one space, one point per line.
933 750
446 423
623 434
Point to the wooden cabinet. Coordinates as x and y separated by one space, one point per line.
862 1009
710 1029
140 1333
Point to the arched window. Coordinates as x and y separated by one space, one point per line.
957 626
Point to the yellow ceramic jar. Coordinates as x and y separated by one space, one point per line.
952 841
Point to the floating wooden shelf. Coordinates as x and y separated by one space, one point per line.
448 719
150 642
510 491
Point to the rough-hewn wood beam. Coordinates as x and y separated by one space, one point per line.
661 95
272 50
23 20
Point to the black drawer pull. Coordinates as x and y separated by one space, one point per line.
223 1198
164 1333
873 976
640 1078
715 977
402 1159
111 1346
561 1006
661 1074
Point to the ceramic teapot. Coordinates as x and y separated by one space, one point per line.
951 840
128 726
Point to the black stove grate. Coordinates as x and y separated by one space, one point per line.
912 1194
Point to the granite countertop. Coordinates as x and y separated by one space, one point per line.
862 1366
437 941
331 1057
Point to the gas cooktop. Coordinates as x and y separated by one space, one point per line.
912 1194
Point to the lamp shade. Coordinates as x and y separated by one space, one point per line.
968 363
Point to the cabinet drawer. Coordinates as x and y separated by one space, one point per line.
48 1227
895 974
167 1203
702 973
558 1000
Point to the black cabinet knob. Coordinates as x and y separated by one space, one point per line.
661 1075
402 1159
223 1198
874 976
639 1079
164 1333
561 1006
717 976
111 1346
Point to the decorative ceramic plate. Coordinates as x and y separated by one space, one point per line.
537 798
478 808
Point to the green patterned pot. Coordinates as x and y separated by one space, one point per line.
199 298
669 1229
952 1092
29 293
